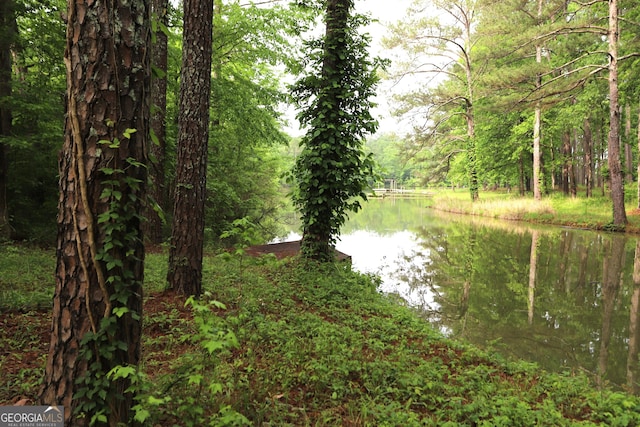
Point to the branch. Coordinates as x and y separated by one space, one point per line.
260 3
580 82
589 3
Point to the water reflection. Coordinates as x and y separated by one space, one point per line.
564 298
561 297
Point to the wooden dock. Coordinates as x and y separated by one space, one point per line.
287 250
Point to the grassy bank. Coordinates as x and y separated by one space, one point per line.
592 213
299 345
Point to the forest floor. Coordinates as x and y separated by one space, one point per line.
299 345
25 340
303 345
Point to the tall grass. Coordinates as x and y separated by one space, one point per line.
558 209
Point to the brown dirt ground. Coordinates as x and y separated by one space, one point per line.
25 340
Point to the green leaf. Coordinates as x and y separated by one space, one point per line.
120 311
128 132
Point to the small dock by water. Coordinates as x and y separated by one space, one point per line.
287 250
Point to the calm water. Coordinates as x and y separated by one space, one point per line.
563 298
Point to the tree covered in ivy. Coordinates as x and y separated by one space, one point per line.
335 102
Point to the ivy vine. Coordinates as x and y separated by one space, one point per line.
332 172
106 345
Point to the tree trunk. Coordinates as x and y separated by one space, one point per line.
521 185
566 161
157 150
470 117
537 179
317 236
8 31
100 252
628 157
537 124
187 234
588 157
638 160
615 169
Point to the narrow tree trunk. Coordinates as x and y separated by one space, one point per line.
615 170
566 161
639 159
521 185
7 36
187 235
100 253
157 150
471 125
537 124
588 158
628 157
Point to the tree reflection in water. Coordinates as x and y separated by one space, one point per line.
564 298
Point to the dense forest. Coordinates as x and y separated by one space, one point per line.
130 122
535 95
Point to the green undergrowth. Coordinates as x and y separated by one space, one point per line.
286 344
26 277
281 343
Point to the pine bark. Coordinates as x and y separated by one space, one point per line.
107 94
615 169
187 235
157 151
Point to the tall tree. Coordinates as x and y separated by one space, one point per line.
587 139
613 145
243 182
332 170
157 151
439 47
8 29
537 121
638 168
97 305
187 233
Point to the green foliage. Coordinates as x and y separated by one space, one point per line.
244 168
321 346
328 349
196 389
26 282
567 83
335 100
106 346
37 108
386 153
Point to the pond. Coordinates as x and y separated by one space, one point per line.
563 298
